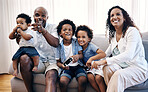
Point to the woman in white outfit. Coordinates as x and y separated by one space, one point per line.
125 64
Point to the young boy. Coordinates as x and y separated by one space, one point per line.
69 47
26 42
90 53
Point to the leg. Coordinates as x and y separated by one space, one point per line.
82 81
109 70
50 80
15 67
124 78
26 72
92 81
100 82
64 81
36 62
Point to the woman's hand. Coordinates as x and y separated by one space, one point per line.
96 64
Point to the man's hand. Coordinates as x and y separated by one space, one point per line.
38 26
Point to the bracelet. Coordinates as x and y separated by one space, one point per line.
44 32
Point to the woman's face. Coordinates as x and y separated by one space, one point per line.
116 18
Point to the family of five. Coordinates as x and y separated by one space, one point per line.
45 48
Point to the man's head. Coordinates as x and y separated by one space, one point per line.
40 15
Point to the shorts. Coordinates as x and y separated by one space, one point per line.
98 71
74 71
44 67
30 51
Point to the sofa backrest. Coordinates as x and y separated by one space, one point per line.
145 44
102 42
145 36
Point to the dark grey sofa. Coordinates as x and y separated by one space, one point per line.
17 84
144 86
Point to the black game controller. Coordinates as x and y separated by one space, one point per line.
84 66
68 61
18 27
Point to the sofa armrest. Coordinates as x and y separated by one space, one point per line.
145 44
11 70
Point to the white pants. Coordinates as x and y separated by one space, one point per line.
118 79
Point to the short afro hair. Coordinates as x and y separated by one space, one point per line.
66 21
86 29
25 16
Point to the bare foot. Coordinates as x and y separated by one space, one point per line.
15 73
35 68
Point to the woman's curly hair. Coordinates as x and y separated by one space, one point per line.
128 22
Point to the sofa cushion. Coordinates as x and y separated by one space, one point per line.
140 86
40 78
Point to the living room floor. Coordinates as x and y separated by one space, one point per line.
5 85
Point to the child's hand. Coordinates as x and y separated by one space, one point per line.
88 63
18 37
19 30
15 29
75 58
65 67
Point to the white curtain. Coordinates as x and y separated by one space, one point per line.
89 12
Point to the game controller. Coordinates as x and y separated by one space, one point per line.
68 61
84 66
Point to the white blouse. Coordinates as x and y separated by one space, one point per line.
131 50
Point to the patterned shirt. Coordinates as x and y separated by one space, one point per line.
46 51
